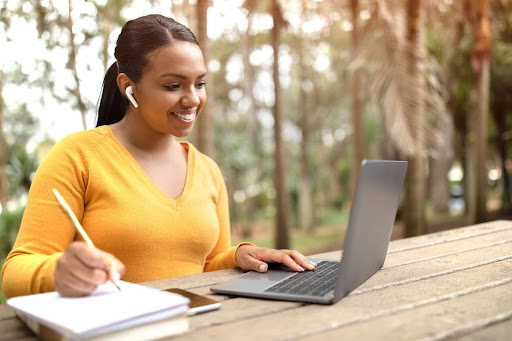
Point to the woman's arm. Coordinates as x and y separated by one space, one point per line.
246 255
45 233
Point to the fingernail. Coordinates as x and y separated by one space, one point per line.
301 268
116 276
263 267
314 264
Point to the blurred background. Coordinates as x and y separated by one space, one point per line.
299 93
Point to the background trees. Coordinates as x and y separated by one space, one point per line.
299 92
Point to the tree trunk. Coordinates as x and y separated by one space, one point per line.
482 118
106 29
185 12
248 82
305 194
500 115
72 66
480 61
440 166
282 227
356 99
204 121
414 214
3 150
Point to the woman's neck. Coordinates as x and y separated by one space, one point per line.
141 139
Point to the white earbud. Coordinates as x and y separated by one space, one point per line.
129 94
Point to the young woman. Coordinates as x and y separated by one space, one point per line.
154 207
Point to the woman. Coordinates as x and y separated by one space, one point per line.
154 207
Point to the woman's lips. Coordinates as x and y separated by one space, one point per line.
186 115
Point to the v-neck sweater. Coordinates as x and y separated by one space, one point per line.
123 212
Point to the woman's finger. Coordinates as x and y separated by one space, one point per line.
279 256
67 284
81 269
115 269
72 278
250 257
300 259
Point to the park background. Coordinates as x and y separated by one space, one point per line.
299 93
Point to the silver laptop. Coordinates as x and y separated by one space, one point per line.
371 221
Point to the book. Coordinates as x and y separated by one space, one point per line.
136 313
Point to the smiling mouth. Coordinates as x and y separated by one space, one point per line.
187 116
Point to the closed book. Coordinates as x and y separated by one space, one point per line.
135 313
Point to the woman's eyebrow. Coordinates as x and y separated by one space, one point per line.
178 75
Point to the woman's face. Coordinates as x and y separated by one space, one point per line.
171 92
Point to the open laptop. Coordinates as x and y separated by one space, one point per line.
371 220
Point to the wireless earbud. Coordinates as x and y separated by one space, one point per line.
129 94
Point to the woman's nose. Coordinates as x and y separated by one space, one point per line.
191 98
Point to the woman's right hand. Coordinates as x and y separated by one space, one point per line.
82 268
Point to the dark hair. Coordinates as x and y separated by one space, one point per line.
138 38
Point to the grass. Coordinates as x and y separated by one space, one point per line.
327 235
304 243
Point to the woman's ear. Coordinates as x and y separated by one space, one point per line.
124 84
129 94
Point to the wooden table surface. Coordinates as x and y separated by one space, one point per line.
455 284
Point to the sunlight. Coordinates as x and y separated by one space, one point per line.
214 65
347 26
313 26
322 63
456 173
365 14
239 196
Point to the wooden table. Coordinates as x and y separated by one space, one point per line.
455 284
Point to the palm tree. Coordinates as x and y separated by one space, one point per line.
253 124
356 97
205 120
478 119
416 176
404 83
305 199
282 226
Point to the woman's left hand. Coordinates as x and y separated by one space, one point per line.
250 257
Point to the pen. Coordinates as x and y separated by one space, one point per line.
78 227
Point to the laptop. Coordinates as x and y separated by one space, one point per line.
371 221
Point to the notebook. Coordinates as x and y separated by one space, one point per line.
135 312
370 224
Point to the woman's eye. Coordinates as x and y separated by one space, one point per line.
172 86
201 85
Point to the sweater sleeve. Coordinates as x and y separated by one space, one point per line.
45 231
223 254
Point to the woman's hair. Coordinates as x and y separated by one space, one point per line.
138 39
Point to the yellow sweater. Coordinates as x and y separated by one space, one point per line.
123 212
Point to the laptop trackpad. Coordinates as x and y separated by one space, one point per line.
267 276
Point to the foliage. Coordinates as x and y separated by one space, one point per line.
21 168
386 58
10 222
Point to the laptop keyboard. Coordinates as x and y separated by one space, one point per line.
309 283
